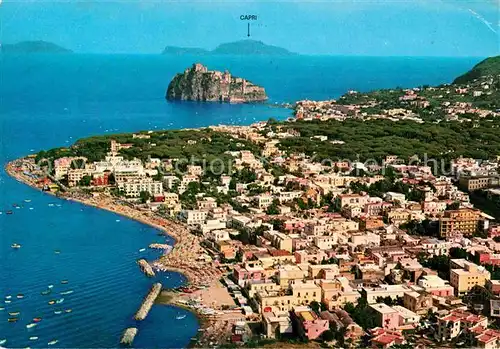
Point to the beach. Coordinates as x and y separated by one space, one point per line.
204 294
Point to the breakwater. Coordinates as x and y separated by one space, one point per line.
128 336
148 302
146 268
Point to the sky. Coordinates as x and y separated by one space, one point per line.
329 27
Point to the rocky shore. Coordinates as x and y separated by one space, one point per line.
200 84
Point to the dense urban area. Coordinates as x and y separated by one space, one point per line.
370 220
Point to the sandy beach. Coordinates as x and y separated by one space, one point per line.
207 297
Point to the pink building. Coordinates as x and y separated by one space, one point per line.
434 207
249 272
387 317
309 324
489 258
382 338
494 231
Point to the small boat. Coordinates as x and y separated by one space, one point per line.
57 312
64 282
68 310
9 212
59 301
51 205
37 319
15 205
13 319
33 338
27 200
142 250
52 302
8 297
57 251
14 313
3 341
117 220
2 308
31 208
7 302
67 292
180 317
50 286
20 296
31 325
15 246
52 342
44 293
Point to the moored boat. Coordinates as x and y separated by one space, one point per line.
14 313
13 319
31 325
52 301
57 312
68 310
9 212
67 292
64 282
20 296
37 319
52 342
15 246
59 301
34 338
46 292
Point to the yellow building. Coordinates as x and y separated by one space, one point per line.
464 275
299 293
290 273
462 221
336 293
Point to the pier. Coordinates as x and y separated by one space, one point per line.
128 336
148 302
146 268
160 246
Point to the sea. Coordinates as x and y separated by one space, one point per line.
52 100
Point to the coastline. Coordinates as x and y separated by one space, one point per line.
181 258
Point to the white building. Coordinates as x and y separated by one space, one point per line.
134 188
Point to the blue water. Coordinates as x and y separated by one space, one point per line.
48 101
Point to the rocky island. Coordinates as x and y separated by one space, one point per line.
200 84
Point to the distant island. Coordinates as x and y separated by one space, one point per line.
33 47
243 47
200 84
